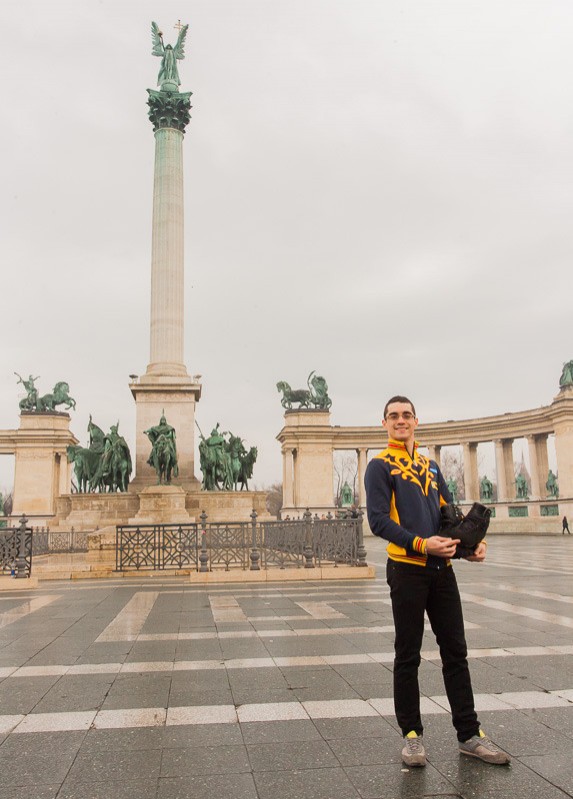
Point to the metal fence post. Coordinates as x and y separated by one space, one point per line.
21 559
308 548
360 550
203 557
255 554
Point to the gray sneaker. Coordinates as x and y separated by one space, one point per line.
413 753
482 747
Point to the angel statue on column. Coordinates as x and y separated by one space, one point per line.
168 72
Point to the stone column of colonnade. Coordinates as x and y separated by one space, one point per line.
471 478
505 472
435 451
538 465
362 463
288 478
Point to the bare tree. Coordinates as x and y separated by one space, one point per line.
274 498
453 469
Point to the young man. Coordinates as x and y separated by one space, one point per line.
404 492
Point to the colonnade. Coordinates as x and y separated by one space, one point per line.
308 442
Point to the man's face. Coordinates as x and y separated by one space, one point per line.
400 422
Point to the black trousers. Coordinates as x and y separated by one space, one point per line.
415 590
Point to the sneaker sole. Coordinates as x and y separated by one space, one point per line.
414 765
483 759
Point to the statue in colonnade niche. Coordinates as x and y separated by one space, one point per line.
552 485
316 394
346 496
521 487
224 461
163 456
47 403
168 72
453 489
486 489
566 378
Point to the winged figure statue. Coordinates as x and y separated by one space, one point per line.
168 72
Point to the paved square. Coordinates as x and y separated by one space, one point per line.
149 688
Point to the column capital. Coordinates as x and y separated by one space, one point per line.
169 109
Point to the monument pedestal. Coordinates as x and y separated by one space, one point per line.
308 477
42 472
163 504
175 396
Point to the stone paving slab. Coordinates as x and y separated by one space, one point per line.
166 689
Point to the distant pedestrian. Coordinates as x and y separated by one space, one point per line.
565 526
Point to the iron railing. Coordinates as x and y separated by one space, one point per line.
48 542
208 546
16 550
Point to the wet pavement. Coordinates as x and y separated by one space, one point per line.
146 688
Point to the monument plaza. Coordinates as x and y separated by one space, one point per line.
158 688
275 682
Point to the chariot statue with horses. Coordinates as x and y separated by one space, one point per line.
566 378
35 403
105 465
314 397
224 461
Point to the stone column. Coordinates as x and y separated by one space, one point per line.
435 452
500 472
362 463
471 481
543 462
537 483
504 469
288 487
169 113
166 387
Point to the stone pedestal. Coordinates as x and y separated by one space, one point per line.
162 505
175 396
562 415
42 471
307 460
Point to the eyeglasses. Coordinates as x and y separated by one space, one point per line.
407 416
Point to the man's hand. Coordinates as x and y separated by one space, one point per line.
479 554
441 547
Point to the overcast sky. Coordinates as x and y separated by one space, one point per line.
378 191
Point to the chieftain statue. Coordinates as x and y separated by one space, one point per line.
453 489
521 487
168 78
225 462
316 395
346 496
486 489
552 485
105 465
47 403
163 456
